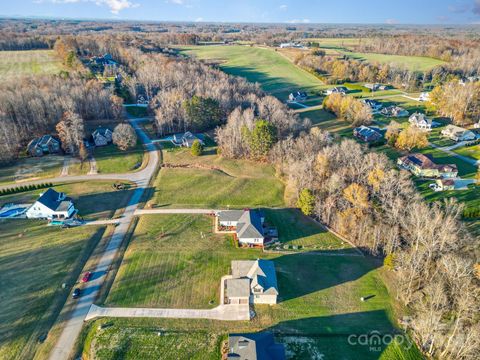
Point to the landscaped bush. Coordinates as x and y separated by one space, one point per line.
24 188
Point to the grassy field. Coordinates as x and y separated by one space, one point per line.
275 73
31 169
94 199
212 181
34 261
15 64
112 160
176 261
470 151
412 63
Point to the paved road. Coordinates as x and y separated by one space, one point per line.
73 326
228 312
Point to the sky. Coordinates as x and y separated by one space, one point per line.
273 11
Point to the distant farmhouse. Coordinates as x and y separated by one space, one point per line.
420 121
421 165
457 133
186 139
46 144
337 90
367 134
424 96
374 105
247 225
51 205
394 111
251 282
259 346
291 45
298 96
102 136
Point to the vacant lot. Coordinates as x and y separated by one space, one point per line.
111 160
212 181
274 72
34 262
175 261
15 64
31 169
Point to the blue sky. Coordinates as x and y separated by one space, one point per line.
279 11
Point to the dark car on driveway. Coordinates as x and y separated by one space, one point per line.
76 293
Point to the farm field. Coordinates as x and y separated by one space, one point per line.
275 73
212 181
412 63
94 200
34 261
16 64
176 261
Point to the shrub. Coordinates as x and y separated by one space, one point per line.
197 148
389 261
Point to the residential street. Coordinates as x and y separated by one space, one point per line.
74 325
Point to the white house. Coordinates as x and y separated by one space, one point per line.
337 90
247 225
457 133
420 121
252 282
51 205
424 96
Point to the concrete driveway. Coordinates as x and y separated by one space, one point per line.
222 312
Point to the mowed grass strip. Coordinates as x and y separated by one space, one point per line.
15 64
273 71
34 262
111 160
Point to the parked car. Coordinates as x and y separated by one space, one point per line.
76 293
86 277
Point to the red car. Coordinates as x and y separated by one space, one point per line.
86 277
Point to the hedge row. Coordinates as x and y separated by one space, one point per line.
19 189
471 213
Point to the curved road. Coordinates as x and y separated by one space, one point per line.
73 325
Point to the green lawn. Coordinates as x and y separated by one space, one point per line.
470 151
212 181
176 261
34 262
274 72
31 169
412 63
15 64
94 199
112 160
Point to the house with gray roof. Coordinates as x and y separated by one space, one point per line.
102 136
246 224
51 205
43 145
420 121
259 346
252 282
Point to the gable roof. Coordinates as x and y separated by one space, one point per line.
259 346
367 133
259 271
238 287
419 117
101 131
424 162
250 225
54 200
230 215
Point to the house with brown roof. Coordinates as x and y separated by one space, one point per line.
423 166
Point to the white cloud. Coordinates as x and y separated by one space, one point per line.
115 6
283 7
199 19
178 2
298 21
